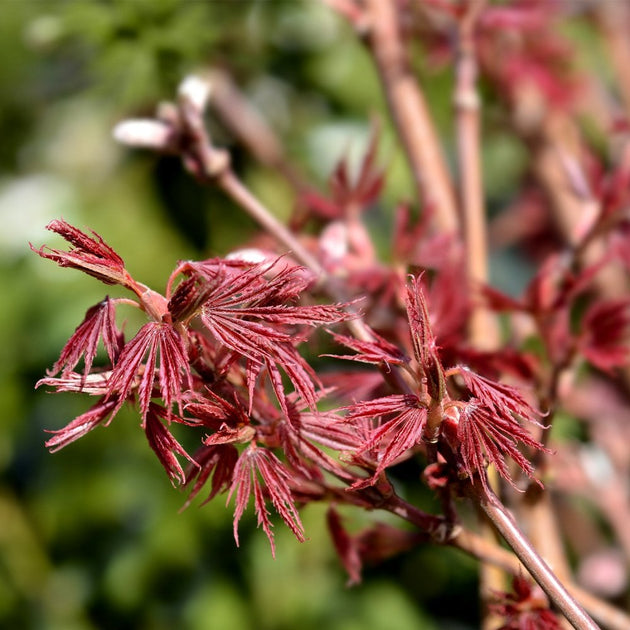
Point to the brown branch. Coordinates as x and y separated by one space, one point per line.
482 326
487 552
469 542
536 566
410 113
250 128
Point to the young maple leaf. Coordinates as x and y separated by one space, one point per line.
99 323
216 461
161 344
245 312
82 424
487 427
213 411
164 445
424 343
372 545
346 192
604 339
92 255
483 434
259 472
393 437
95 384
505 400
379 351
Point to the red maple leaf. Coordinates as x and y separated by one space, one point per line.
164 445
259 472
391 438
245 311
92 255
216 461
604 338
99 323
166 360
526 608
82 424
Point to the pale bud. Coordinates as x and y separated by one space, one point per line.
143 133
333 242
250 255
196 91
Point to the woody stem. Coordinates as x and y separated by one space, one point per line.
537 567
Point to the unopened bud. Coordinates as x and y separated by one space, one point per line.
144 133
251 255
196 91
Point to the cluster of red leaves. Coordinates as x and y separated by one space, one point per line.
551 298
208 358
526 608
217 355
478 423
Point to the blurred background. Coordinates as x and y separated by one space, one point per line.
92 537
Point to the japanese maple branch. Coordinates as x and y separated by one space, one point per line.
482 329
250 128
410 113
443 532
212 165
487 552
536 566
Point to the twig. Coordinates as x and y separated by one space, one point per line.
212 165
609 616
250 128
482 326
487 552
536 566
410 113
482 329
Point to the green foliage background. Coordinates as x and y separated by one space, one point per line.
91 537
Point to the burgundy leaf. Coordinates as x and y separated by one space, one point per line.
345 546
380 351
240 310
212 411
483 434
90 254
348 192
165 446
228 435
604 340
217 461
372 545
258 471
95 384
99 323
503 399
325 429
526 608
161 344
423 339
82 424
393 437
